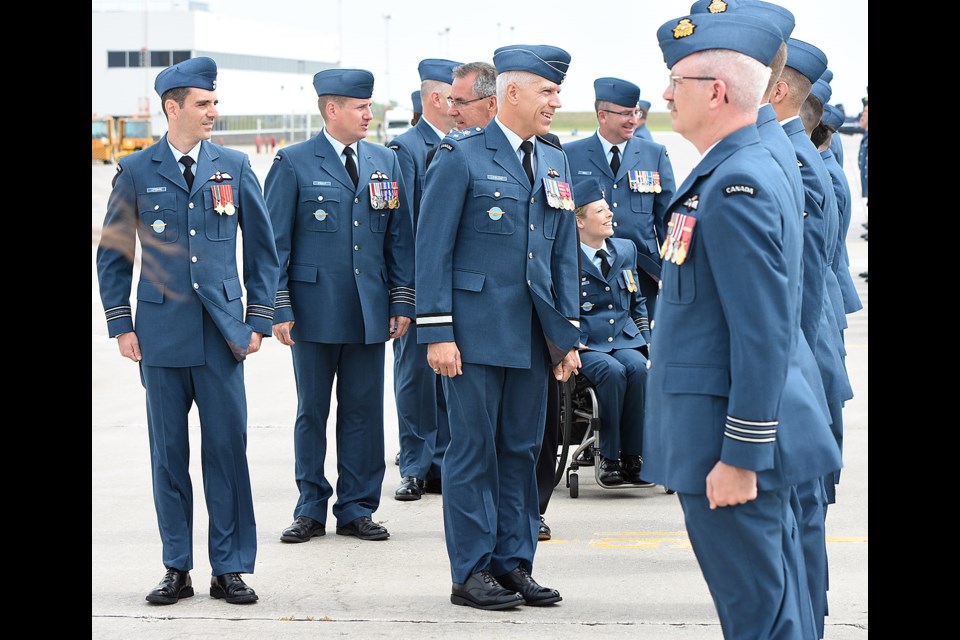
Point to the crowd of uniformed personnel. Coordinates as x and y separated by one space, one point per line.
708 315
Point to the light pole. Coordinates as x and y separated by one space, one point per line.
386 28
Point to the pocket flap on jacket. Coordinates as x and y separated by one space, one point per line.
468 280
150 291
703 380
231 287
302 272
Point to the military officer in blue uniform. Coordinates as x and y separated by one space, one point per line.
832 121
805 64
497 275
835 145
731 422
615 331
862 161
421 410
643 110
417 107
343 233
635 174
185 198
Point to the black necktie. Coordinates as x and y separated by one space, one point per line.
615 160
604 265
526 146
187 161
351 166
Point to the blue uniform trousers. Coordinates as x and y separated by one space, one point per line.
620 378
751 559
421 409
360 463
217 388
490 504
811 517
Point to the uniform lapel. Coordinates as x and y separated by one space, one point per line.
169 167
330 162
505 156
598 157
206 166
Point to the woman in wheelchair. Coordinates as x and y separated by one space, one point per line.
615 332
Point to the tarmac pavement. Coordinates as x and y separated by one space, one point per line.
620 558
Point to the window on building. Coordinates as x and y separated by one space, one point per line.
133 59
159 58
180 56
116 58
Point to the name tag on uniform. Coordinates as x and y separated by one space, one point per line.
584 173
322 183
500 178
155 189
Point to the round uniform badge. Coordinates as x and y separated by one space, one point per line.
320 214
159 226
586 306
495 213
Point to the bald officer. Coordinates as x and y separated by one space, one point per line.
497 272
635 174
185 198
643 110
421 412
344 238
731 423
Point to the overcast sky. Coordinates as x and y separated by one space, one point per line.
604 38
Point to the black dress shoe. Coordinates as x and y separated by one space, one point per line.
365 529
544 532
175 585
433 485
864 274
631 471
482 591
232 588
523 583
609 473
302 529
410 489
585 459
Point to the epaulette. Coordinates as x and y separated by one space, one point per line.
553 144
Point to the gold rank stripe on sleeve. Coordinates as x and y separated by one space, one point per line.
283 298
755 432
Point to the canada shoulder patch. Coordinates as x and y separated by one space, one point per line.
446 145
393 146
740 189
277 158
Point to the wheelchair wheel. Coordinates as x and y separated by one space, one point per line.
574 481
566 427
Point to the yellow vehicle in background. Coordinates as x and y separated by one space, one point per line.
117 136
104 139
134 134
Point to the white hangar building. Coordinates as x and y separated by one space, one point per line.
265 71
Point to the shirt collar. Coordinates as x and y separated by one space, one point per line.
339 146
513 138
607 145
193 153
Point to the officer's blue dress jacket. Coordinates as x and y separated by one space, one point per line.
412 147
611 316
637 216
725 380
643 132
816 214
343 263
482 274
775 140
841 260
862 163
189 254
836 145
